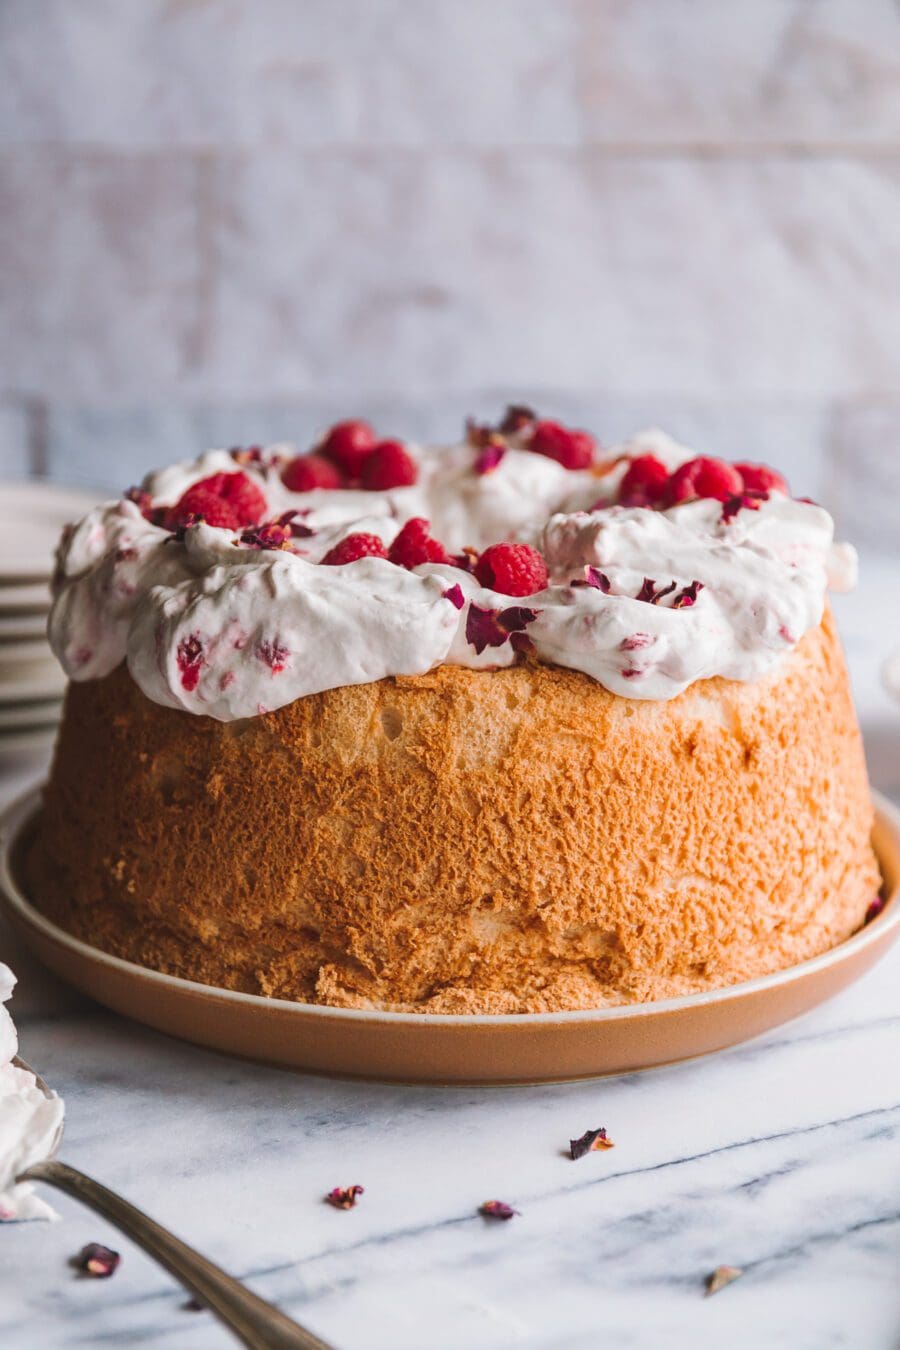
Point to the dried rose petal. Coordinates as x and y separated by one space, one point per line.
252 455
517 418
517 617
480 435
687 596
277 533
140 497
721 1276
144 502
489 458
742 501
466 560
522 643
455 595
496 1209
636 642
593 577
344 1197
875 908
653 593
97 1261
492 627
590 1142
272 535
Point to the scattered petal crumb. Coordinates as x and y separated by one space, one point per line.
193 1304
97 1261
591 1141
489 458
344 1197
875 908
721 1276
496 1209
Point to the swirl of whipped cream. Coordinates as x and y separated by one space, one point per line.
29 1121
644 601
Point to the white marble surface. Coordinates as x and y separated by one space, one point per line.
779 1156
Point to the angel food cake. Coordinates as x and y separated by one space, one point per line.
515 725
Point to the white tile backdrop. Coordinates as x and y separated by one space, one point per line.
230 220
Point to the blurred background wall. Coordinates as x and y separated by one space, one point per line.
226 221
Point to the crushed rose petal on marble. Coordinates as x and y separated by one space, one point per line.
344 1197
497 1209
97 1261
720 1277
592 1141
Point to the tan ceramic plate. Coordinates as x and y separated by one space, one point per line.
414 1047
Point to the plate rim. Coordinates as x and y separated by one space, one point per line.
65 502
18 814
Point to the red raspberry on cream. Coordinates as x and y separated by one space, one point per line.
414 545
571 449
704 478
354 547
307 472
240 493
512 569
645 482
348 445
760 478
389 466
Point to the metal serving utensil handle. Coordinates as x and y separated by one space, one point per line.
254 1321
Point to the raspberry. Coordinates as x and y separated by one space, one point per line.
760 478
645 482
703 478
311 471
571 449
198 503
413 546
243 496
246 500
512 569
388 466
353 547
189 658
347 445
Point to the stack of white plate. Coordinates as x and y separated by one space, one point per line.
32 682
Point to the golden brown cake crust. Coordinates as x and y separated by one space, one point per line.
517 840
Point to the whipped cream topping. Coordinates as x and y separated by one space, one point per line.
644 601
29 1121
